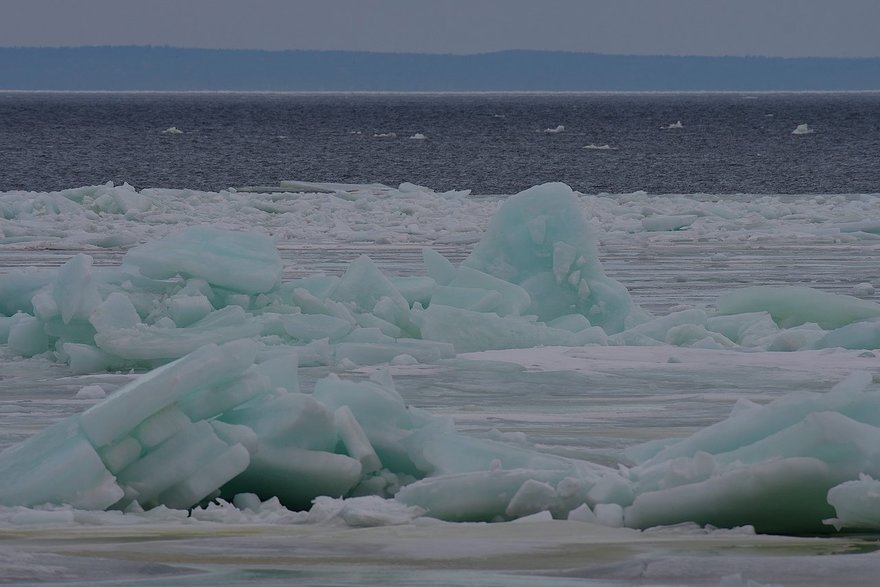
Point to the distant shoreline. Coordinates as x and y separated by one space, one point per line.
167 69
744 93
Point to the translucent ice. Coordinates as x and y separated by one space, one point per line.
538 240
793 305
243 262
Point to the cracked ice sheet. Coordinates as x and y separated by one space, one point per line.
593 402
524 553
832 364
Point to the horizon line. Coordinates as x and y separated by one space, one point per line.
441 54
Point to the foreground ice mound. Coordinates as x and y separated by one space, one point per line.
230 419
783 467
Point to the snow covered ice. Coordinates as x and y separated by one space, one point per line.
221 333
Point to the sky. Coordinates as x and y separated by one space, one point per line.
782 28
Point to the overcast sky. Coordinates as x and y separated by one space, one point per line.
788 28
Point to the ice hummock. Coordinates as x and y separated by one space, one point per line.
228 405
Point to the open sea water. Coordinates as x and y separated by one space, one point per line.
489 143
492 144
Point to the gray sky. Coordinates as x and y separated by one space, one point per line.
788 28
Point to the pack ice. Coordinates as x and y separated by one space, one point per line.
221 412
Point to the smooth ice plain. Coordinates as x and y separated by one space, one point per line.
543 373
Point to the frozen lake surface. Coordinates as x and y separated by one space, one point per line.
587 402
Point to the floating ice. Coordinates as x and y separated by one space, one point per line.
676 124
803 129
533 279
172 130
418 137
385 135
91 392
604 147
554 130
223 411
661 222
863 289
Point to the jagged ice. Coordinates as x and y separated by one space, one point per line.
220 413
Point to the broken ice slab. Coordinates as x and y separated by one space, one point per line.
59 465
481 496
468 330
238 261
146 395
856 504
296 476
794 305
775 496
357 445
175 461
142 342
770 466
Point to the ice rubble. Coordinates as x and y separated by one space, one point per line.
226 417
106 216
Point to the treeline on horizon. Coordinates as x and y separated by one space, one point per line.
136 68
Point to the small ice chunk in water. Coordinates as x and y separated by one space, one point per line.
863 289
91 392
172 130
803 129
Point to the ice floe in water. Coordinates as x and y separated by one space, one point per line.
172 130
803 129
554 130
676 124
605 147
221 412
418 137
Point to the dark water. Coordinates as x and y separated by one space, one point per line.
489 143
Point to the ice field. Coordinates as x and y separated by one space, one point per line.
600 389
